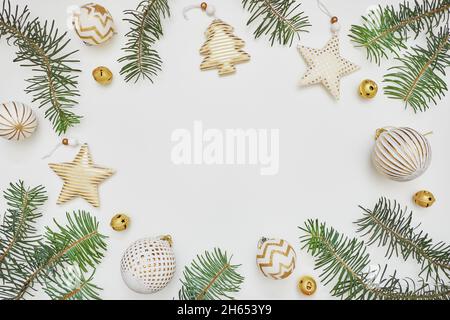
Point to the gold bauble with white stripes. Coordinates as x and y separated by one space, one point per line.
401 154
94 24
17 121
148 265
276 258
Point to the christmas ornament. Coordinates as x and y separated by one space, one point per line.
81 177
148 265
17 121
275 258
401 154
368 89
424 198
222 49
94 24
326 66
102 75
120 222
307 285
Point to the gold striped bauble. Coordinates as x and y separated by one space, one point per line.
222 49
276 258
17 121
401 154
81 177
94 24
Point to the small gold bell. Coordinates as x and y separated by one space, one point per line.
368 89
307 285
102 75
424 198
120 222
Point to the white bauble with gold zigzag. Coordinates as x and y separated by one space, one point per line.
94 24
276 258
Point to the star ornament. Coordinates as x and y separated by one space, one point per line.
81 178
326 66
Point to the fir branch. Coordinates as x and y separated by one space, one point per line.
142 61
210 277
420 79
40 47
346 260
279 18
78 243
387 29
71 286
388 225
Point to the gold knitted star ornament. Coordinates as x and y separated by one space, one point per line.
326 66
81 178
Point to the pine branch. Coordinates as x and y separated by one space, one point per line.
72 286
210 277
346 261
40 47
387 29
279 18
420 79
387 225
79 243
142 61
18 234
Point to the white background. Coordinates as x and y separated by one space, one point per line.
325 146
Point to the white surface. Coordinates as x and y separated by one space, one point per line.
325 146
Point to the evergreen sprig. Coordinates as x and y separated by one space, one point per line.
141 60
386 29
210 277
40 46
389 226
420 79
279 18
71 286
346 262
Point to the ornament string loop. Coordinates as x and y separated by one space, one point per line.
209 9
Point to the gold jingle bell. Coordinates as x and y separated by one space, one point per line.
307 285
102 75
368 89
120 222
424 198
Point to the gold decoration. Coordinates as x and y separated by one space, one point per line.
94 24
275 258
102 75
222 49
81 177
368 89
326 66
307 285
17 121
120 222
424 198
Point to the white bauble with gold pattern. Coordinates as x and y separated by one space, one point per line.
17 121
401 154
276 258
94 24
148 264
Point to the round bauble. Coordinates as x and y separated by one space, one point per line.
424 198
307 285
120 222
368 89
401 154
148 265
275 258
94 24
17 121
102 75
